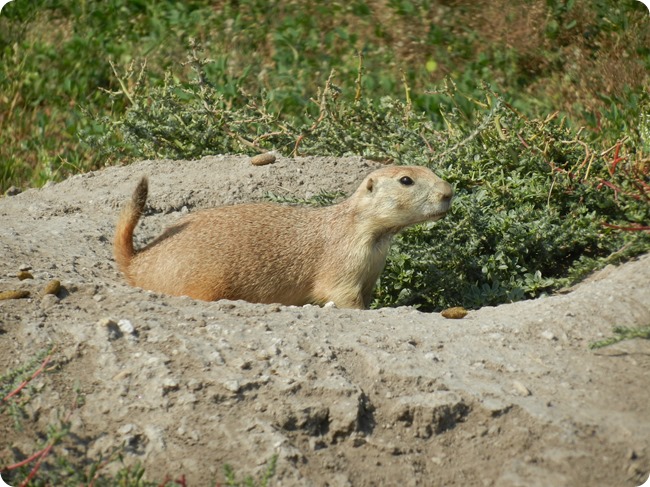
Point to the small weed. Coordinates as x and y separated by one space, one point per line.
622 333
267 475
18 380
46 466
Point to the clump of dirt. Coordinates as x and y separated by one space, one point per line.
507 396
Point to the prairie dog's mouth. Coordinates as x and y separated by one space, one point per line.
442 210
435 215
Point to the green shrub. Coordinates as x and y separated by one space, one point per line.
536 206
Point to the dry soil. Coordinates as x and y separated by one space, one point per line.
508 396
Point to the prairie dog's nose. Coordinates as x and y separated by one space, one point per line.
446 191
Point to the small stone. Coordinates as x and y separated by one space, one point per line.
636 470
330 304
124 374
358 441
549 335
112 329
216 358
438 459
263 159
25 267
455 313
244 364
232 385
52 287
263 355
521 389
14 294
495 429
13 191
126 429
169 385
126 327
22 275
98 297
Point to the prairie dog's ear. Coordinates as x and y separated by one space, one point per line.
370 185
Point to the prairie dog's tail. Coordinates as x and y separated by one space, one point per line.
123 250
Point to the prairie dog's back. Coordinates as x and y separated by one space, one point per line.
238 251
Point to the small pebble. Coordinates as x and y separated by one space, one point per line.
126 327
124 374
455 313
52 287
169 385
232 385
14 294
126 429
521 389
22 275
548 335
263 159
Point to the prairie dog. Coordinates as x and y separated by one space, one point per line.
272 253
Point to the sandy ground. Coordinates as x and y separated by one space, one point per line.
508 396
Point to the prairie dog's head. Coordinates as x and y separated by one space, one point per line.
400 196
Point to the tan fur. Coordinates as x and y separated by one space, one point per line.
270 253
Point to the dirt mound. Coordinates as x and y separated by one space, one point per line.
507 396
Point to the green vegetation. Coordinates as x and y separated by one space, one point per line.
622 333
231 476
537 112
587 59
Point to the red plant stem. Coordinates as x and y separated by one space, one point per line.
44 453
618 190
26 461
524 143
25 382
616 159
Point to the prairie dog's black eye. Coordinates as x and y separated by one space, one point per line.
406 181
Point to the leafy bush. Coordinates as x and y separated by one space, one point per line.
536 206
535 210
